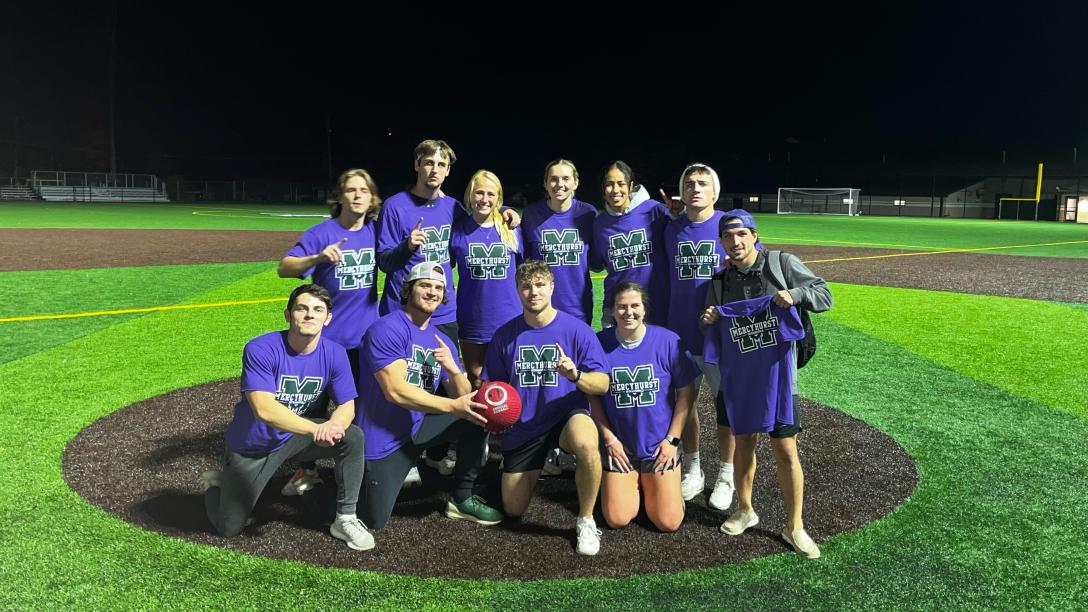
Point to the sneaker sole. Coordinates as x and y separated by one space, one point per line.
342 536
453 513
723 529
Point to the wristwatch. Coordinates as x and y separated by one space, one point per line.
672 440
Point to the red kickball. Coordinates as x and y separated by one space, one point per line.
503 405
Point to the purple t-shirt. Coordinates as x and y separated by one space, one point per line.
352 282
386 425
525 357
563 241
399 216
632 247
303 383
694 255
486 286
640 399
752 343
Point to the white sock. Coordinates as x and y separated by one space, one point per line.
586 520
692 461
344 517
726 473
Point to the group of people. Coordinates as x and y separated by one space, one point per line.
373 384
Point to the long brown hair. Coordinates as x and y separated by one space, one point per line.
341 182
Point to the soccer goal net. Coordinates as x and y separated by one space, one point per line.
819 200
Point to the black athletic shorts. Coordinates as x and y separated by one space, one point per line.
532 455
781 430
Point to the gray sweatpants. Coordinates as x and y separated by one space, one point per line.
228 505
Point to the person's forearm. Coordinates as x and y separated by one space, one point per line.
294 267
267 409
391 260
592 383
344 414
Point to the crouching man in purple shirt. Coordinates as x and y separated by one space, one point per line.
554 360
288 378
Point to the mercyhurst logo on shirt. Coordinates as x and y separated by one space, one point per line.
423 369
630 250
696 259
356 269
634 388
535 366
437 247
487 260
561 247
754 333
297 394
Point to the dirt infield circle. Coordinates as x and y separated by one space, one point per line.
149 476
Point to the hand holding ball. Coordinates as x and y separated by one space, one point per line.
503 405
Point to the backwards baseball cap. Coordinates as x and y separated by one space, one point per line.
427 270
735 219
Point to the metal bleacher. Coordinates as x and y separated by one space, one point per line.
60 186
17 192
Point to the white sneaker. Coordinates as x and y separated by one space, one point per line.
412 479
444 465
722 495
301 481
802 543
691 484
739 522
589 537
211 478
352 530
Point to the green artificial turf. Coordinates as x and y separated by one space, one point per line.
997 520
882 232
48 292
1026 347
927 234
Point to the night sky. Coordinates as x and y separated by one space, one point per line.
215 92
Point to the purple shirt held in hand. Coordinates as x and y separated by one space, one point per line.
752 343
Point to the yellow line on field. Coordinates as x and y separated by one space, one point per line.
101 313
773 240
597 276
974 250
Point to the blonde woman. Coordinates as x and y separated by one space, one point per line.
486 253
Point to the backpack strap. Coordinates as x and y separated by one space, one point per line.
774 268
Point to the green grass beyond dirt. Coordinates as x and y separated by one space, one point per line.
995 420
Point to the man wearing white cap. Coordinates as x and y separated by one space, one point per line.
401 415
694 255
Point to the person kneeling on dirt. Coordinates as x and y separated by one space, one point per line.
287 380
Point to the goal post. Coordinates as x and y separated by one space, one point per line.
819 200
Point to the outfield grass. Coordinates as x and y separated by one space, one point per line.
879 232
980 390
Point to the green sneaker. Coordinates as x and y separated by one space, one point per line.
473 509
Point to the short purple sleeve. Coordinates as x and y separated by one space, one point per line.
385 344
259 367
306 246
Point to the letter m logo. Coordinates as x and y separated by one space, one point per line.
356 269
561 248
297 394
437 247
631 389
536 366
482 256
630 250
754 341
696 259
422 369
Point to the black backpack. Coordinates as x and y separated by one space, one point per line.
806 347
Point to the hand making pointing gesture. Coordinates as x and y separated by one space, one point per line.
565 365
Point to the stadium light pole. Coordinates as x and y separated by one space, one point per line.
110 84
